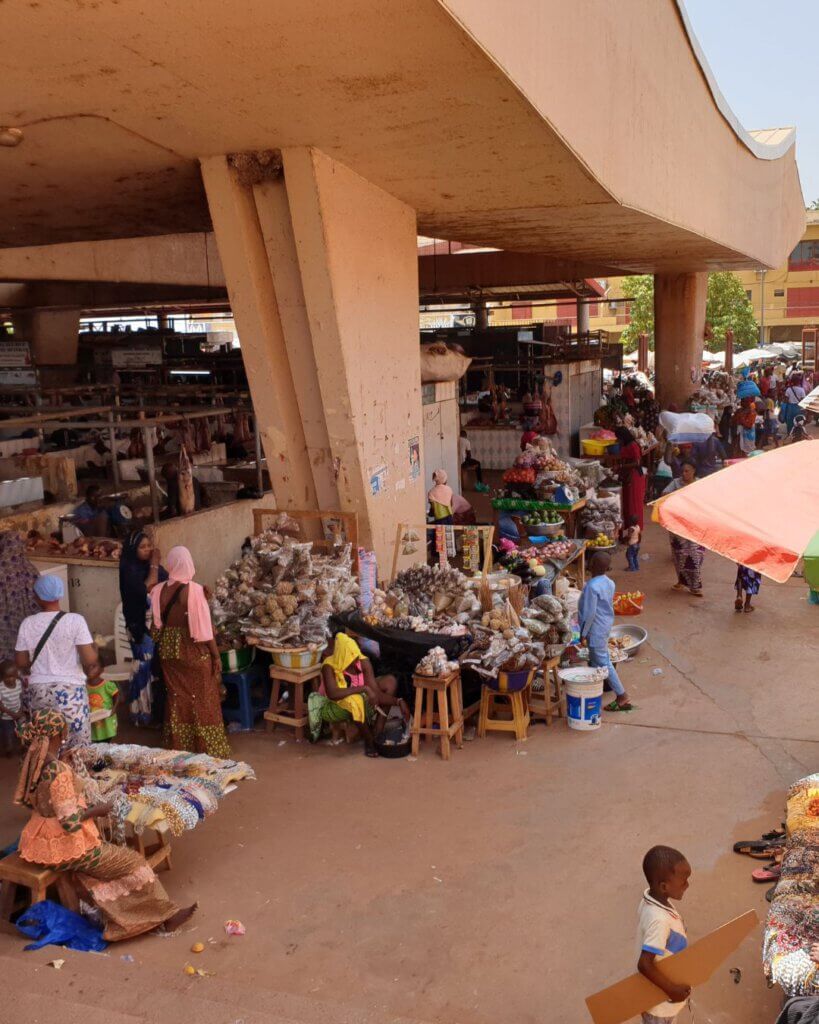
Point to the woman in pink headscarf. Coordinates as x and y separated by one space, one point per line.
189 660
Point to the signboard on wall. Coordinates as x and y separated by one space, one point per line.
14 353
136 357
20 378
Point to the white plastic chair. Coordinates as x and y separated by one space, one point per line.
124 668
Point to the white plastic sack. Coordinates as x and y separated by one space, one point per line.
676 424
439 363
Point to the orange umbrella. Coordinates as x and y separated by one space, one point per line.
761 512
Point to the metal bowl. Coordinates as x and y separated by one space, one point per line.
637 634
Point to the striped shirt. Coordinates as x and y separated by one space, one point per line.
660 930
11 698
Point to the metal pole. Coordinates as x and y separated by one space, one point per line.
149 462
258 439
112 440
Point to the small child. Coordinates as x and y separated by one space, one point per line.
660 929
748 582
104 696
633 535
11 706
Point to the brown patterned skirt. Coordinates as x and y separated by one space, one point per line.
193 710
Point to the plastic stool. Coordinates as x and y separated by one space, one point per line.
248 711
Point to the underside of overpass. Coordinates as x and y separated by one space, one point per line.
290 153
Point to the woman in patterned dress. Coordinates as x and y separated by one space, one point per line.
62 833
56 652
189 660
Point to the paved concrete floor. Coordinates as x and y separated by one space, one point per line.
500 886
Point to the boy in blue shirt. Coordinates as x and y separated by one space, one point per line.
596 611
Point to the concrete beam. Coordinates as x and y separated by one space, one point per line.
180 259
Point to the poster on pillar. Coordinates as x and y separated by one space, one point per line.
414 457
378 481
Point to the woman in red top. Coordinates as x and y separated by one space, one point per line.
631 476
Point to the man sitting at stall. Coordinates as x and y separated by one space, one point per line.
98 516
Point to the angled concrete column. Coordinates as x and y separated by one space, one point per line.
679 326
53 334
253 301
357 254
277 230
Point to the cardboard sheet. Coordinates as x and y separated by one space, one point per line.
694 966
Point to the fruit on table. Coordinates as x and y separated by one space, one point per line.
602 540
519 475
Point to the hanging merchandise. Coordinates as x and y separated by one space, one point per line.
471 549
450 542
409 540
548 420
441 545
367 578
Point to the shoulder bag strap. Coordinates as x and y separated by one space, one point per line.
173 599
44 638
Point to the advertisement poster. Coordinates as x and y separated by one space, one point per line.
414 458
378 480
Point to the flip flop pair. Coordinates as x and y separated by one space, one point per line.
614 706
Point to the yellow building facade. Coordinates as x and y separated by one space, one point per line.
785 299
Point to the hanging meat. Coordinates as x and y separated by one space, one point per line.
241 430
187 498
202 433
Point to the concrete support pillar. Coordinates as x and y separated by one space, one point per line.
53 334
582 317
357 255
256 311
322 274
679 326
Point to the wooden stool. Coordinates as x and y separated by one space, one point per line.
14 871
297 679
158 855
518 700
544 705
448 689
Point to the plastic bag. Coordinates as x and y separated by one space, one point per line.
51 924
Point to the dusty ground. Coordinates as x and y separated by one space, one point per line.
500 886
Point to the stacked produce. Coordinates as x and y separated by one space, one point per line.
549 516
602 540
280 594
547 619
520 475
512 650
435 663
630 603
601 515
82 547
426 598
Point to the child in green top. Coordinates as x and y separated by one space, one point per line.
104 696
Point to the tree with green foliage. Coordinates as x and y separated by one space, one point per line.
727 307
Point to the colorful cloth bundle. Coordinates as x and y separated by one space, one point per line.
793 920
175 785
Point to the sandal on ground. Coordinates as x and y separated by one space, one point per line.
614 706
776 833
678 586
754 847
769 874
737 606
695 593
749 608
769 895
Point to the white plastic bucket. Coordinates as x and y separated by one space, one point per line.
584 696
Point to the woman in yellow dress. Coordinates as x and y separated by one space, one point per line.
350 692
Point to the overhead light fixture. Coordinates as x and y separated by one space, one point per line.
11 136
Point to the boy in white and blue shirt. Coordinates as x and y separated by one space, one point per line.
660 929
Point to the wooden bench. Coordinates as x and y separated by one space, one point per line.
543 704
18 873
